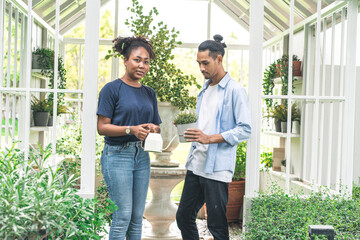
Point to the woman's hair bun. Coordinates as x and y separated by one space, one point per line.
218 38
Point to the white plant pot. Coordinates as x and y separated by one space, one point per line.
283 168
295 127
181 128
168 132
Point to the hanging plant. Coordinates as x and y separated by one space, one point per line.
268 84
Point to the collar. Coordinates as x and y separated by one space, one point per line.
223 82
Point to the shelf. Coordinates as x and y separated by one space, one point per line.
281 134
40 129
37 73
280 174
297 81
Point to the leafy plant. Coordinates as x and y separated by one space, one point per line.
46 62
295 112
276 215
169 82
240 164
266 158
38 201
268 84
40 105
278 112
185 118
61 108
283 66
280 66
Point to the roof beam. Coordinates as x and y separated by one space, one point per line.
243 20
36 2
276 19
63 6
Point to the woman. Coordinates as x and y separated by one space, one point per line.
127 112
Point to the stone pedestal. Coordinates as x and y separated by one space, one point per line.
161 210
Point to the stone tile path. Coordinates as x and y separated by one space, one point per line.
234 230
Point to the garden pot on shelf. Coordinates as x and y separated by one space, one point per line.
297 68
277 125
41 118
50 122
295 127
181 128
283 127
235 203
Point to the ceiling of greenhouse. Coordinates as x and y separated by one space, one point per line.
276 12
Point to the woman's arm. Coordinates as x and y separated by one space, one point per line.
105 128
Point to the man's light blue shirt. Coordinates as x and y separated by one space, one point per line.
232 122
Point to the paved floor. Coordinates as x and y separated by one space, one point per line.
234 230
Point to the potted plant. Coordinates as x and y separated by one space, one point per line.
283 165
40 109
268 84
61 108
279 68
279 114
43 59
184 121
282 66
237 186
295 118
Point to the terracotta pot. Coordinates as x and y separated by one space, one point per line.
297 68
235 203
278 70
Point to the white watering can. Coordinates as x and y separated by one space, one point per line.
154 143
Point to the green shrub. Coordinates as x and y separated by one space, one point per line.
266 158
240 164
277 215
185 118
38 201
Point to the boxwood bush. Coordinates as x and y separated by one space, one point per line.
277 215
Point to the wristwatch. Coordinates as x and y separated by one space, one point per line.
127 130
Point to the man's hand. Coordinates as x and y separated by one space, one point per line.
196 135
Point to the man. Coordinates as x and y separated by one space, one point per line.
223 121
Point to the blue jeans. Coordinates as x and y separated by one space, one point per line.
126 171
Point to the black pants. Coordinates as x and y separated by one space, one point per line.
198 190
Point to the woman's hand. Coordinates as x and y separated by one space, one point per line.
153 128
140 131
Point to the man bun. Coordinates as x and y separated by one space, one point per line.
218 38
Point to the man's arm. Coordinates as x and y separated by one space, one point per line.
196 135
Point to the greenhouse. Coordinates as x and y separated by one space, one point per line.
299 170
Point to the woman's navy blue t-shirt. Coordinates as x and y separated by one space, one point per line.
127 106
